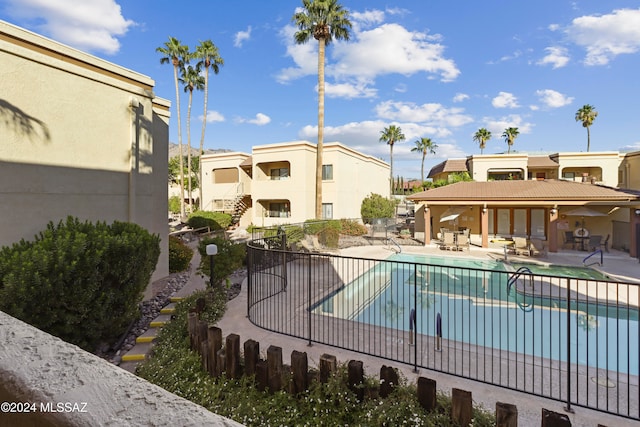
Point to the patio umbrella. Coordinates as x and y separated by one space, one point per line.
451 214
583 211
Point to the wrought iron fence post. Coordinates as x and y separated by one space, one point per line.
249 277
414 316
309 298
568 407
283 241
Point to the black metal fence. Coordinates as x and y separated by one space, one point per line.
574 340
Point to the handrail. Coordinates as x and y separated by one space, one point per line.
390 239
515 277
592 254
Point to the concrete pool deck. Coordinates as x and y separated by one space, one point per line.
529 406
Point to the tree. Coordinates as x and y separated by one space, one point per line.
375 206
510 135
424 146
191 79
481 137
390 135
208 56
324 20
587 115
177 54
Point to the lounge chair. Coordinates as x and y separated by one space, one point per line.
521 246
448 241
537 248
605 245
594 242
569 239
462 241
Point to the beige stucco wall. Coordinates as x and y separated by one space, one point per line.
594 163
481 164
72 144
629 170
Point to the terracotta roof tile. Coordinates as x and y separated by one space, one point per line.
541 162
450 165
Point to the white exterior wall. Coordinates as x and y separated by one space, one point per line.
71 144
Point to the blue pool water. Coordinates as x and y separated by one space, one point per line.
476 308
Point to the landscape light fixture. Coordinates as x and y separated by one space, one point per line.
211 251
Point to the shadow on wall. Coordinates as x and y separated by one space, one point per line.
22 123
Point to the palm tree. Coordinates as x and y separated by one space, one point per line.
391 135
177 54
324 20
207 53
510 135
481 137
424 146
192 79
587 114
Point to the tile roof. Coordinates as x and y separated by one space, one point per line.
247 163
541 162
450 165
531 190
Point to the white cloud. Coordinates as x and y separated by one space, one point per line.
241 37
359 89
553 99
304 56
606 36
556 56
260 120
459 97
213 116
90 25
498 125
432 113
505 100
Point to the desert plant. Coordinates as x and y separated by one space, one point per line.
350 227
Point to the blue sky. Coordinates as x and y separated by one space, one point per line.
440 69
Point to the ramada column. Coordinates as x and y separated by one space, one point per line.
427 225
552 237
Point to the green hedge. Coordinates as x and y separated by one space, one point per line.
230 257
79 281
215 220
179 255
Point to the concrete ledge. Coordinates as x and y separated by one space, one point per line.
65 385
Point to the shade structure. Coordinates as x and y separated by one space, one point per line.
452 214
583 211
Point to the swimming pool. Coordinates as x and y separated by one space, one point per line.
472 298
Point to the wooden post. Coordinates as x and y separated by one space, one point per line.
214 341
262 375
427 394
232 356
554 419
300 370
328 365
202 335
461 407
251 356
506 415
220 362
388 380
204 355
192 322
274 368
355 374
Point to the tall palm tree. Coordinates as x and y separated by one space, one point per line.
424 146
192 79
510 135
324 20
481 137
208 56
390 135
177 54
587 114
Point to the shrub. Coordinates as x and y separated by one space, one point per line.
215 220
179 255
315 226
79 281
174 204
329 237
376 206
230 257
350 227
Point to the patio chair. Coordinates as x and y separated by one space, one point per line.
594 242
521 246
537 248
448 241
605 245
462 241
569 239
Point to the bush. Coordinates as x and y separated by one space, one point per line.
376 206
179 255
215 220
329 237
174 204
79 281
230 257
350 227
315 226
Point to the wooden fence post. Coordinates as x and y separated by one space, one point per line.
274 368
461 407
232 356
355 374
251 356
192 322
554 419
388 380
328 365
300 370
214 341
427 393
262 375
201 335
506 415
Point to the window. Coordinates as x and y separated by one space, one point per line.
327 211
279 210
569 175
280 173
327 172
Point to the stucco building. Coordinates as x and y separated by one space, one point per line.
275 184
79 136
